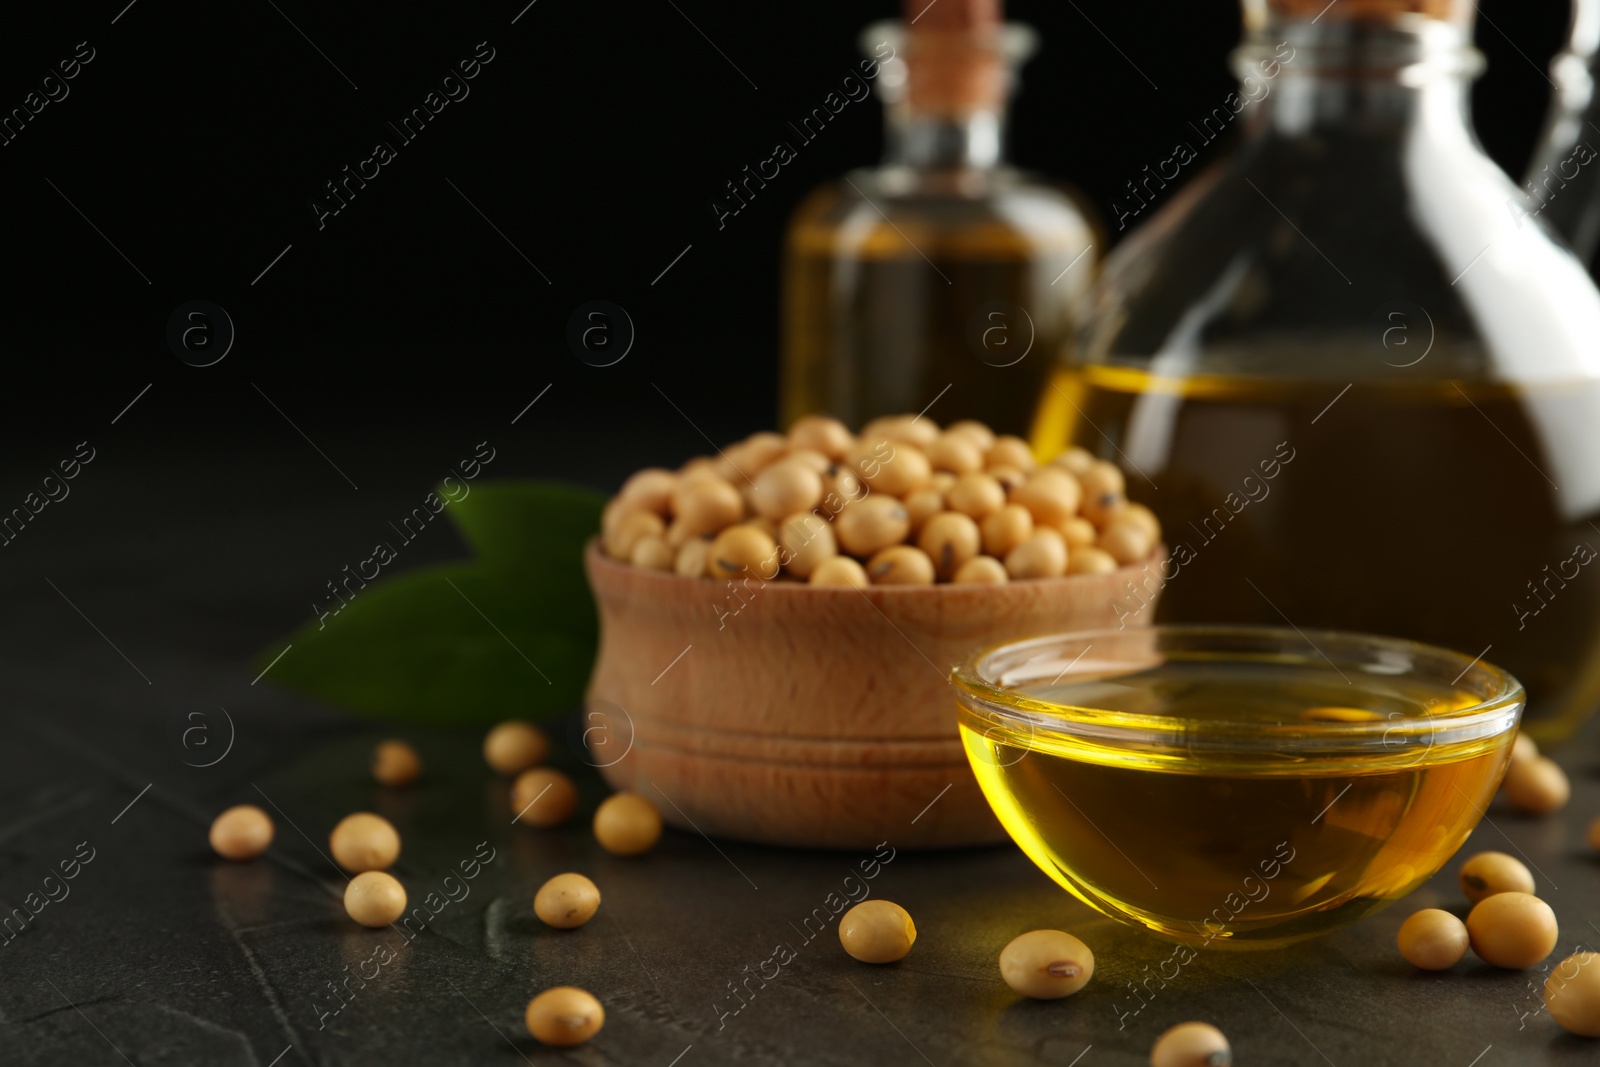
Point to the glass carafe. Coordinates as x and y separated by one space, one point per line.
943 274
1353 368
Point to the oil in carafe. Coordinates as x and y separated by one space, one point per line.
1454 513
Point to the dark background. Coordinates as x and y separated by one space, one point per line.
594 141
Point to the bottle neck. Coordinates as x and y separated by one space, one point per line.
945 94
975 141
1302 79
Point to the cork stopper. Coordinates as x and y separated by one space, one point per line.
957 16
1260 12
955 64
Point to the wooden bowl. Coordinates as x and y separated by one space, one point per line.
785 714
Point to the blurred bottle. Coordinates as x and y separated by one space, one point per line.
942 271
1352 367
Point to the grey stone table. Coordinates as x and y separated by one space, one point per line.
131 605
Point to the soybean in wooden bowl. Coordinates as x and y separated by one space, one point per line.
767 705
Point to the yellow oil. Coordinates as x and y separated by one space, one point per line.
961 299
1453 513
1243 848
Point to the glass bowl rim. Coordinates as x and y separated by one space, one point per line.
1486 718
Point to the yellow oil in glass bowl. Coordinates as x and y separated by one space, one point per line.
1236 786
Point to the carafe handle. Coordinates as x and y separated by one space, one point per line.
1564 172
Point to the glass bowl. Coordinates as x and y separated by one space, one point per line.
1236 786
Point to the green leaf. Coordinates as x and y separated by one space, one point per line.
511 634
506 522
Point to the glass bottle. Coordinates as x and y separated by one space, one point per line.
943 273
1351 367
